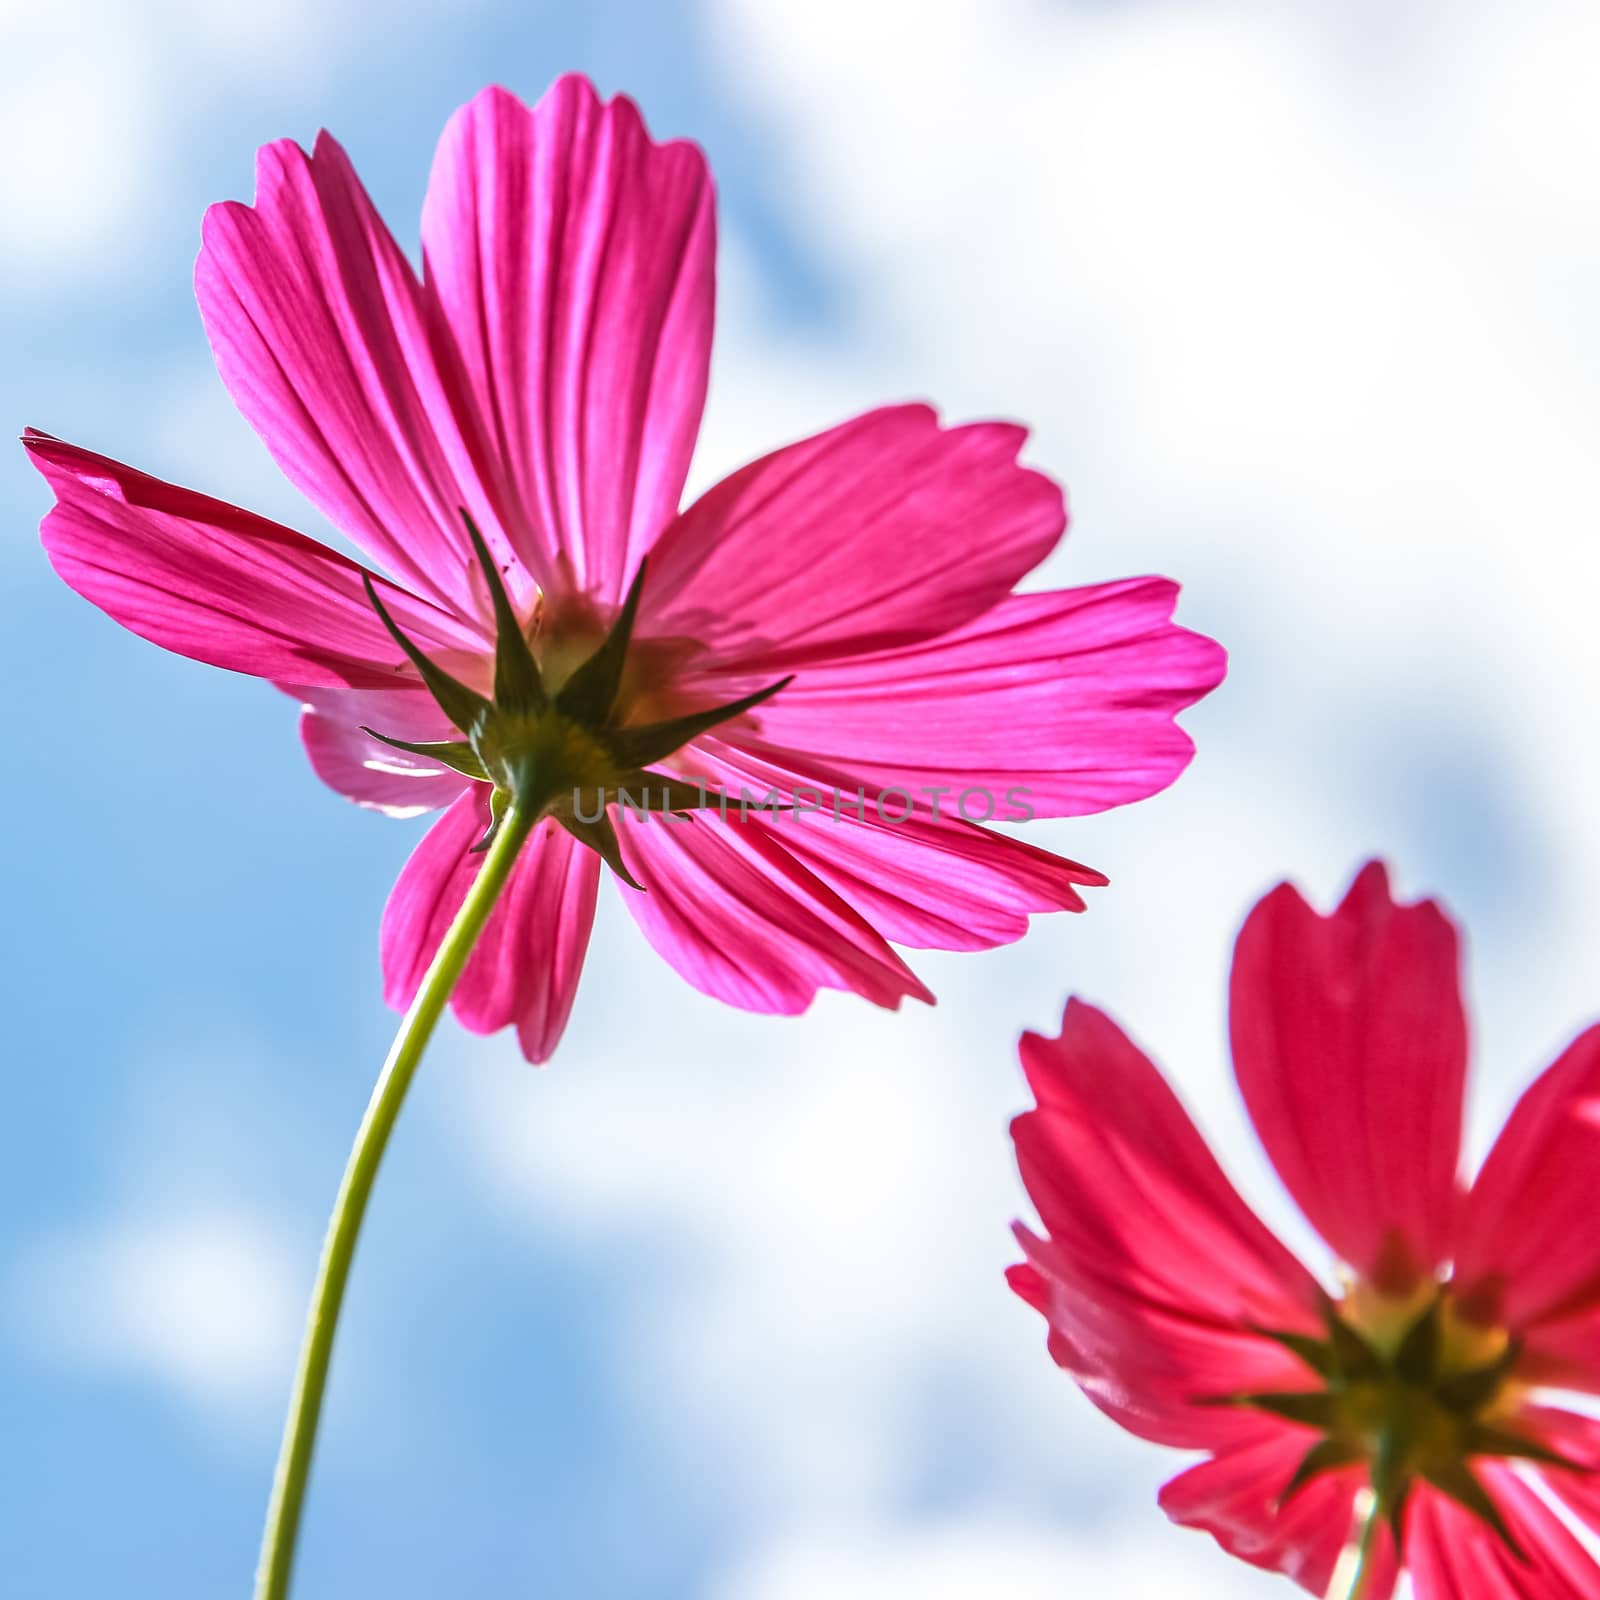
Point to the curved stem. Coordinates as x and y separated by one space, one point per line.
1365 1565
338 1249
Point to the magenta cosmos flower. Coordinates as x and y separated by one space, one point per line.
1423 1380
837 615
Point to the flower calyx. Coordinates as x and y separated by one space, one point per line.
1422 1405
568 754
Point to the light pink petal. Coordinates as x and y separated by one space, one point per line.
1529 1251
931 885
221 585
882 532
529 957
366 770
1350 1046
744 922
1454 1555
1235 1499
1131 1199
1047 705
322 334
574 261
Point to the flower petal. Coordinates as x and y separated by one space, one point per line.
1454 1555
529 957
1528 1252
218 584
744 922
1350 1046
574 262
322 334
881 532
1131 1199
932 885
1047 705
1235 1498
366 770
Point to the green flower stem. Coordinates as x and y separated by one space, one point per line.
339 1247
1361 1579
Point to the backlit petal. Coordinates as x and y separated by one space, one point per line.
743 921
1131 1200
1048 705
218 584
1235 1498
323 336
573 259
879 533
1350 1046
1528 1249
526 966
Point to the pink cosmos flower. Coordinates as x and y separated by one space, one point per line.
1426 1377
836 615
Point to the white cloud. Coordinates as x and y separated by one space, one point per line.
205 1303
992 1555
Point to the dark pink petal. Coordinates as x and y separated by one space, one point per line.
366 770
744 922
1454 1555
1350 1046
1131 1199
1063 701
1235 1499
1529 1250
1575 1438
882 532
574 261
221 585
942 885
322 335
526 966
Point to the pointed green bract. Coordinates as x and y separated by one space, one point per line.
1470 1391
560 757
1417 1358
1407 1408
517 683
639 747
601 837
1326 1455
465 707
1456 1480
457 754
590 694
499 805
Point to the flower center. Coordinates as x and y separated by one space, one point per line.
553 737
1411 1389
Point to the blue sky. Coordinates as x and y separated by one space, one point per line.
1303 311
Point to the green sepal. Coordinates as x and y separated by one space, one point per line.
1316 1408
1314 1353
1417 1358
659 792
1472 1391
465 707
589 695
601 837
456 754
1456 1480
1353 1356
1484 1439
639 747
499 804
518 686
1326 1455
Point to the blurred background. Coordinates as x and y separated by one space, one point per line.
1303 303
